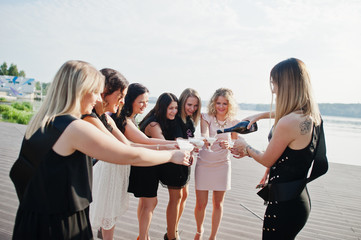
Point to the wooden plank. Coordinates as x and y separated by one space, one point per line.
335 201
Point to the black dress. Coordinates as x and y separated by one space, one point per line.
288 200
144 181
188 128
175 176
55 196
102 118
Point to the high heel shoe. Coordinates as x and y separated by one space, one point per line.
100 234
166 237
138 238
200 234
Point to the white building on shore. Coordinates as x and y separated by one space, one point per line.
17 87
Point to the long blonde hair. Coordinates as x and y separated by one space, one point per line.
294 90
227 94
72 81
189 92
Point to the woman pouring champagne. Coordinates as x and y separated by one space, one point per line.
297 140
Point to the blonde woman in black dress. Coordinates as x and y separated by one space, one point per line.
52 175
297 141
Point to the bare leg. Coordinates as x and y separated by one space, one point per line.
108 234
218 199
145 212
182 204
175 196
199 211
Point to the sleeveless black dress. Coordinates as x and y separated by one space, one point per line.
55 192
286 194
144 181
188 128
175 176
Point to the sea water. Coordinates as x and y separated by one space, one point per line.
343 136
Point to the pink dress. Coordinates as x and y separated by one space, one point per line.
213 169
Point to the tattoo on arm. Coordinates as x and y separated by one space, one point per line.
305 126
254 150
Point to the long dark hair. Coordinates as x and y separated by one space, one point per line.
159 112
114 81
134 90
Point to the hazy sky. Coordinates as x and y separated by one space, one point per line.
174 44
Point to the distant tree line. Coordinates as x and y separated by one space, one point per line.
341 110
11 71
327 109
43 87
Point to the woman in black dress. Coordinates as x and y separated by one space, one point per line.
297 140
52 175
162 123
135 103
189 112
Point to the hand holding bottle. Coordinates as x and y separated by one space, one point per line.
243 127
256 117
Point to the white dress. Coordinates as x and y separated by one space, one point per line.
110 194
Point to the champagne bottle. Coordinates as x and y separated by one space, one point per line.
241 128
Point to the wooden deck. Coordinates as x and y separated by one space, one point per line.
335 214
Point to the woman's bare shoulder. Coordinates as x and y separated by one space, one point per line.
79 125
296 121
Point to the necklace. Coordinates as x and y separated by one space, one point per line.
221 126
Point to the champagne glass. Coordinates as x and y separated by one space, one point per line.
198 142
211 140
185 145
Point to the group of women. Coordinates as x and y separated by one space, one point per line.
55 194
168 120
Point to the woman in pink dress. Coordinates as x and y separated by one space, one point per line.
213 167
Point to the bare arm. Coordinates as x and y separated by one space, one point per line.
283 135
120 136
137 136
254 118
263 181
97 123
153 129
86 138
204 128
116 132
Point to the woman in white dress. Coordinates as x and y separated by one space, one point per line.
102 215
110 181
136 101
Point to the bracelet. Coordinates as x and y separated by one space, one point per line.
245 151
157 146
